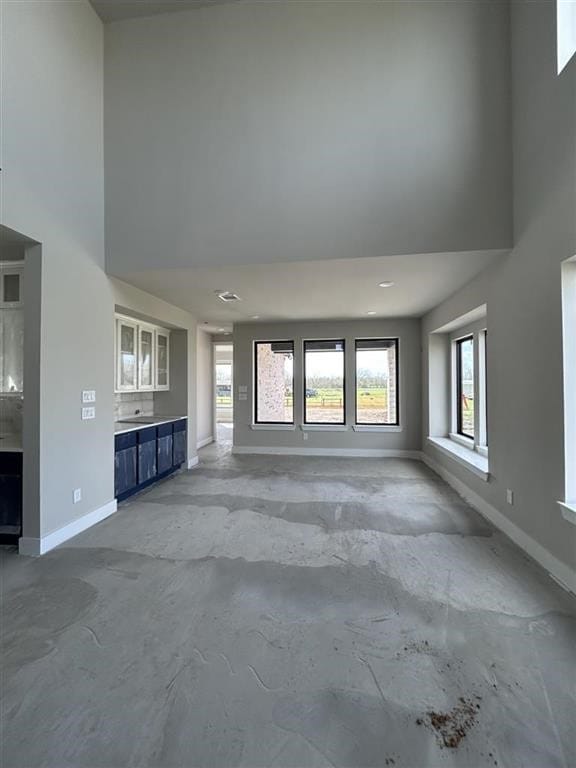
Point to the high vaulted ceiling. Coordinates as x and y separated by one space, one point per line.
115 10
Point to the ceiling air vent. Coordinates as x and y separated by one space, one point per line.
227 296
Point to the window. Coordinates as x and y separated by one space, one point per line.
377 381
465 422
324 382
274 382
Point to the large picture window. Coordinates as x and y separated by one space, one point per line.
377 381
274 382
465 422
324 382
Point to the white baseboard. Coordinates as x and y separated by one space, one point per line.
206 441
375 453
560 572
193 462
34 547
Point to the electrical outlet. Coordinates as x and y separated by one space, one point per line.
89 396
304 435
77 495
510 496
88 413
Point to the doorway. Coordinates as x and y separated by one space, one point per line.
224 391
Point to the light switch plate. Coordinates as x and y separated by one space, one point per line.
242 397
242 388
89 396
88 413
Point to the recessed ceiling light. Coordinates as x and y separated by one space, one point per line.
386 284
227 296
371 312
255 317
220 330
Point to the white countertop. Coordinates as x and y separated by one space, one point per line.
10 443
120 427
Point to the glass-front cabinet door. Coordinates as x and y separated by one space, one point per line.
11 351
145 358
126 343
162 360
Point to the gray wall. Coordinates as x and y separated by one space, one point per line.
53 191
268 132
205 387
523 295
408 331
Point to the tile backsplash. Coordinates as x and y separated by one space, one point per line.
127 403
11 414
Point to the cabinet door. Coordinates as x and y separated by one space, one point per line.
162 360
125 478
164 454
145 358
180 447
126 349
11 350
147 461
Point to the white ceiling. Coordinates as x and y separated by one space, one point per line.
316 290
115 10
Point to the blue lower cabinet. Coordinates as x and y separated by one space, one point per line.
146 455
165 440
147 459
180 446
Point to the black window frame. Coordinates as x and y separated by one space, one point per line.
272 423
396 423
459 342
324 423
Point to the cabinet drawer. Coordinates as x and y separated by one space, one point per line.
147 435
165 429
121 442
180 425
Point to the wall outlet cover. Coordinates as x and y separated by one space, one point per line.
510 496
77 495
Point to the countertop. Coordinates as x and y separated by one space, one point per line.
141 422
11 444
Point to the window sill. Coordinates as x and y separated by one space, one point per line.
569 511
324 428
273 427
468 458
377 428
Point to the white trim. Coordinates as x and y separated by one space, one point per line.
377 428
466 457
34 547
466 442
568 511
324 427
376 453
193 462
560 572
273 427
206 441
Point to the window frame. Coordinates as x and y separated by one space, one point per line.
458 390
396 423
256 421
305 421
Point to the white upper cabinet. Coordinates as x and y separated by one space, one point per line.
145 357
12 327
162 359
142 356
126 355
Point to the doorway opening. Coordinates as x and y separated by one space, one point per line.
224 391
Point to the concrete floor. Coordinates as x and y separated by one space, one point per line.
278 611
